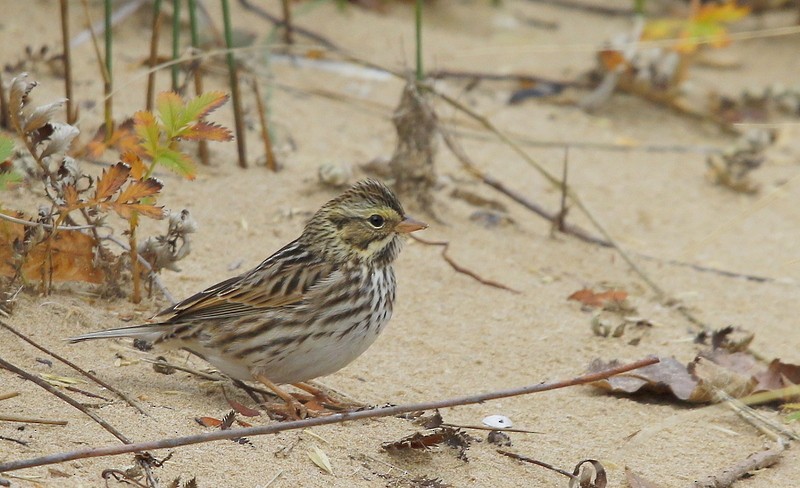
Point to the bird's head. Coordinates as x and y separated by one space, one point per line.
363 223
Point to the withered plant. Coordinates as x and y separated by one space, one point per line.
63 242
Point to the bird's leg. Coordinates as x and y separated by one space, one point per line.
296 410
323 398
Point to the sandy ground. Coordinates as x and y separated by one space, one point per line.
450 335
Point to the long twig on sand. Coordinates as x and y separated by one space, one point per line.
461 269
728 476
331 419
130 401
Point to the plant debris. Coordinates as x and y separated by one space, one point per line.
424 440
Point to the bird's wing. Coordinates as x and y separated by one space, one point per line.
282 279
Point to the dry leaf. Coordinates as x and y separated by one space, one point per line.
321 459
607 299
243 410
208 421
667 376
60 381
778 375
71 255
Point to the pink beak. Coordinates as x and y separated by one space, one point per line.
409 225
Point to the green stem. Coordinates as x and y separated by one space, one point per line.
195 37
234 81
176 42
418 26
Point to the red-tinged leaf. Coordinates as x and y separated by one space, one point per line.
203 104
129 210
111 180
611 59
139 189
208 421
122 139
591 298
170 110
147 130
244 424
206 131
138 168
177 162
243 410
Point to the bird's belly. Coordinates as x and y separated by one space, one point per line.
320 356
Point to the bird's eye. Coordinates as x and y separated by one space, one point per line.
376 221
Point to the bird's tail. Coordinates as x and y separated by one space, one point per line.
148 332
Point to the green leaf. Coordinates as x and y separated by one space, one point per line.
170 110
203 104
177 162
147 130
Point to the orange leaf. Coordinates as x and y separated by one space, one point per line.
71 197
111 180
71 257
206 131
592 299
139 189
128 210
208 421
611 58
243 410
138 169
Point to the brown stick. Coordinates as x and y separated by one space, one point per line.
729 475
287 22
71 113
74 366
461 269
28 420
262 118
153 60
331 419
42 383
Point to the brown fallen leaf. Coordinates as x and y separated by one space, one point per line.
208 421
609 299
242 409
667 376
426 439
778 375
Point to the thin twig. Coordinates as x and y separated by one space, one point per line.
286 8
262 118
259 11
46 226
42 383
331 419
29 420
130 401
6 396
526 459
758 460
70 108
483 427
155 27
461 269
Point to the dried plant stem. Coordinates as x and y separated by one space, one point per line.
153 60
176 43
137 278
6 396
105 72
418 38
71 112
142 261
28 420
233 74
331 419
288 36
74 366
259 11
45 385
262 118
758 460
202 146
108 85
461 269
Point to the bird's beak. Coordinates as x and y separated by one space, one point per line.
408 225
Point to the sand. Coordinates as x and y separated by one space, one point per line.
450 335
